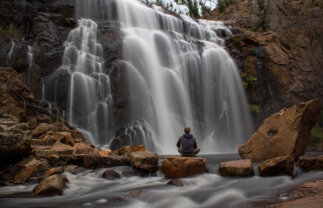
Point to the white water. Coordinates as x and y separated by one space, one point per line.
30 62
178 71
90 94
180 75
11 54
88 189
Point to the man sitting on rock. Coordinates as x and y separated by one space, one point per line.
187 144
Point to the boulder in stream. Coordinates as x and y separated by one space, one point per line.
283 165
283 133
236 168
180 167
144 160
53 185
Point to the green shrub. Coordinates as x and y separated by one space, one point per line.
3 32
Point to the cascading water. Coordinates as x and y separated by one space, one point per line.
30 61
90 94
11 52
179 74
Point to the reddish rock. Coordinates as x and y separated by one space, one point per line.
313 162
126 150
237 168
81 148
180 167
30 170
55 170
63 137
42 129
73 169
111 174
105 152
53 185
283 133
60 149
144 160
283 165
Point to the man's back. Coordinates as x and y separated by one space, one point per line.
188 143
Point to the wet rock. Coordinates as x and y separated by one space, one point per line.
286 133
53 185
130 172
81 148
111 174
73 169
237 168
105 152
42 128
55 170
144 160
126 150
63 137
175 182
31 170
313 162
180 167
283 165
61 149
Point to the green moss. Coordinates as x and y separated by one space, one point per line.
248 80
236 41
261 4
316 138
3 32
254 108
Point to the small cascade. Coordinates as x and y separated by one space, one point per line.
30 62
90 93
11 54
42 89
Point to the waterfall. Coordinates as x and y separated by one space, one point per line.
11 54
89 95
179 75
30 62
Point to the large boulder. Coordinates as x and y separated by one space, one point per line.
283 133
236 168
53 185
144 160
180 167
283 165
313 162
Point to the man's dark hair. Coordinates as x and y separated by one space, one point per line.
187 130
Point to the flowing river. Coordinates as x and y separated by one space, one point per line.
88 189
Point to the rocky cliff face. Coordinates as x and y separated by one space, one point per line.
280 53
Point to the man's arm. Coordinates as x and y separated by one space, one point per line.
178 143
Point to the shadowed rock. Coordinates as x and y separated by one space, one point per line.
314 162
237 168
180 167
53 185
283 165
144 160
